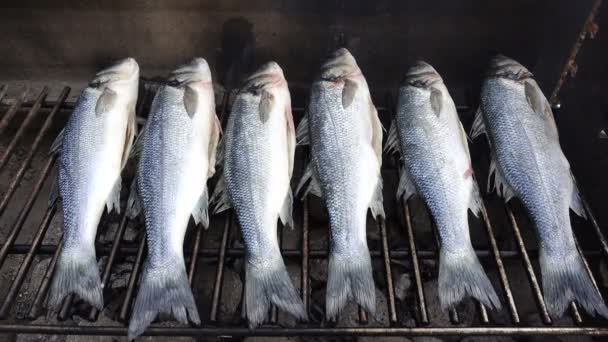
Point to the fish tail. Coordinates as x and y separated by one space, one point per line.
76 272
565 279
268 282
350 277
163 290
461 275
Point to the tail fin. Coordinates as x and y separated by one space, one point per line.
76 272
268 282
461 275
163 289
565 279
350 277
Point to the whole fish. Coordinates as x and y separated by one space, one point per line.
528 163
259 147
178 146
94 147
345 135
437 166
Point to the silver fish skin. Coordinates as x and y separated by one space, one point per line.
94 147
178 146
258 163
346 137
437 166
528 163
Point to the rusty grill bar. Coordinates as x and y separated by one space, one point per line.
198 250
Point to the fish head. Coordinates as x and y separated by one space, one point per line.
195 72
506 68
122 71
422 75
267 77
340 65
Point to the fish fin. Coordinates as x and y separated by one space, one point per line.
348 92
314 186
163 290
565 279
129 139
461 275
576 202
134 202
376 131
268 282
138 143
106 101
350 277
392 141
76 272
265 107
190 100
54 191
376 205
302 136
200 214
535 97
57 143
465 140
212 150
478 127
436 100
406 188
286 211
291 138
113 200
503 189
475 201
219 198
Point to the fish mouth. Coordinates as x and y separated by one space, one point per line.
197 70
341 64
501 66
123 70
267 75
421 75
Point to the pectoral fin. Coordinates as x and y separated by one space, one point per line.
392 142
436 100
348 92
266 103
105 102
190 100
302 136
200 214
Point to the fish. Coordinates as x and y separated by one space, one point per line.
92 149
259 146
528 163
177 152
345 137
437 166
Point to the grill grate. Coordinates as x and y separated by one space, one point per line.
402 224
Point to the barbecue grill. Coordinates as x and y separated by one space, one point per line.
403 247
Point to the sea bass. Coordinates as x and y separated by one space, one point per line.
259 147
437 166
178 146
94 147
528 163
345 135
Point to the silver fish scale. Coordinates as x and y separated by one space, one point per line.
527 150
81 146
248 171
427 145
167 135
336 154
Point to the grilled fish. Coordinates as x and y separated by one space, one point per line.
437 166
178 146
345 135
259 147
528 163
94 147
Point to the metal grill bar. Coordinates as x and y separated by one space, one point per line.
424 316
26 122
8 117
